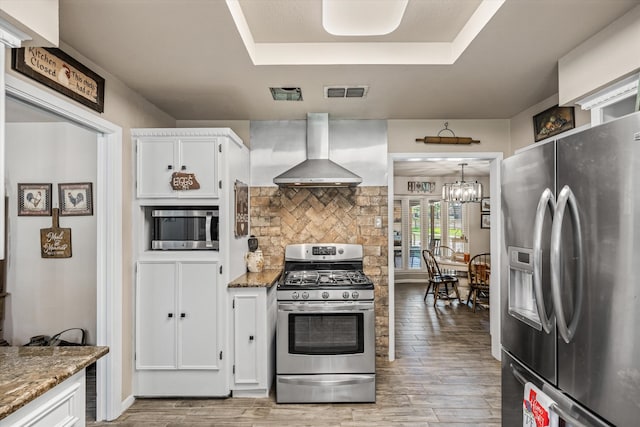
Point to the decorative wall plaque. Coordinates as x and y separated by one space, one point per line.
184 181
57 70
241 192
55 242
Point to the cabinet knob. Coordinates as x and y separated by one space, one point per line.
184 167
170 315
183 315
250 337
169 167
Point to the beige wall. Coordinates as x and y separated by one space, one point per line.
127 109
402 134
37 18
242 128
605 58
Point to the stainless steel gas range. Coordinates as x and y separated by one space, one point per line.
326 326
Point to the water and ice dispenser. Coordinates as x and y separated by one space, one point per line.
522 297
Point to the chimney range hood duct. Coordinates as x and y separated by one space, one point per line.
317 170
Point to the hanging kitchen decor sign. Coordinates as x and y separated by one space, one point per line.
183 181
241 192
453 139
57 70
55 242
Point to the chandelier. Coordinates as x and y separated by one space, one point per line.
462 191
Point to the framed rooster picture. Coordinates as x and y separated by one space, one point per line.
75 199
34 199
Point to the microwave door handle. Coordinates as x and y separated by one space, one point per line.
207 230
547 199
566 197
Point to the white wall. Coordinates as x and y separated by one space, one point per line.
37 18
49 295
608 56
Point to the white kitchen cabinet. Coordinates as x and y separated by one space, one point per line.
254 322
178 342
63 405
160 157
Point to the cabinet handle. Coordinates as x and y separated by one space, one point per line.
169 167
183 315
250 337
184 167
170 315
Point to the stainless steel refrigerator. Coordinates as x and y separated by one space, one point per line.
570 295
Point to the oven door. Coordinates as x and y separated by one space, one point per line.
325 337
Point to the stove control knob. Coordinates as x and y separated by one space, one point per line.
305 295
355 295
295 295
325 295
345 295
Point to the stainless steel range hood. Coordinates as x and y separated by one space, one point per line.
317 170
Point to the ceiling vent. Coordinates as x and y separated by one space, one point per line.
345 91
286 93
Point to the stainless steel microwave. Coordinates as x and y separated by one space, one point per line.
185 229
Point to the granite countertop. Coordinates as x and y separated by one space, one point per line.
264 279
28 372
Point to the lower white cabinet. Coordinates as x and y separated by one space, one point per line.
254 323
178 343
63 405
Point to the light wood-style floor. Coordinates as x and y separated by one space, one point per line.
443 375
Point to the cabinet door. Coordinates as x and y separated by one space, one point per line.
198 317
156 316
156 163
246 339
199 156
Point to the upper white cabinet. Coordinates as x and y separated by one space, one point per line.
170 162
159 159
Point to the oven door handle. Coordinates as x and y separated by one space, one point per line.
316 382
322 308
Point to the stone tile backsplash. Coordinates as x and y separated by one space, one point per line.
281 216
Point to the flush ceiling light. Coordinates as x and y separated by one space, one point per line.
462 191
362 17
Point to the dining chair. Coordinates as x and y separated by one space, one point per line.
437 280
479 273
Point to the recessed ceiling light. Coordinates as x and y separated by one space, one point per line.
362 17
286 93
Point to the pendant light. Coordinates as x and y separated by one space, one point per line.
462 191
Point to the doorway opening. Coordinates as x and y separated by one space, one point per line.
108 235
426 226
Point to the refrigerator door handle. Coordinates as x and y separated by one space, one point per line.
517 374
566 416
547 199
566 197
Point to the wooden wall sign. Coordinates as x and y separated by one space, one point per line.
55 242
241 192
57 70
184 181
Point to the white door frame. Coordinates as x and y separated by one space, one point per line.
496 233
108 203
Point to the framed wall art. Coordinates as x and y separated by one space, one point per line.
34 199
485 220
485 204
553 121
75 199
